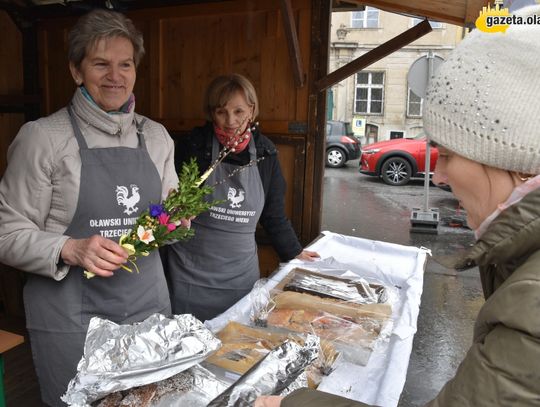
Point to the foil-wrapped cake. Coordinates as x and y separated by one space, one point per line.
119 357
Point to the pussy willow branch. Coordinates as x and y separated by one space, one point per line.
238 170
223 153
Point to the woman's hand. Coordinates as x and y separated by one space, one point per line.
268 401
186 223
307 255
96 254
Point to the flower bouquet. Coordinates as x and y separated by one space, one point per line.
161 224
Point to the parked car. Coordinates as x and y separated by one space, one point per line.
397 161
341 144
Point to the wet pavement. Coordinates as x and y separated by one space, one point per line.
363 206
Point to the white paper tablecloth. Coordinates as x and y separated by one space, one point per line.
381 381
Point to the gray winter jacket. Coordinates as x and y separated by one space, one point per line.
40 188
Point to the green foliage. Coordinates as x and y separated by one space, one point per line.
185 202
189 199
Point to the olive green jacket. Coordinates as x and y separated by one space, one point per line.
502 367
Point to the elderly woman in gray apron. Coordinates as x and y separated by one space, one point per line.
75 182
219 265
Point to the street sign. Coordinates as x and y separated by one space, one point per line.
359 125
419 73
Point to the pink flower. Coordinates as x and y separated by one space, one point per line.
163 218
171 227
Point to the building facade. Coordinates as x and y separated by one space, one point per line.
377 101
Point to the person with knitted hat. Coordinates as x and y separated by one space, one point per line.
483 115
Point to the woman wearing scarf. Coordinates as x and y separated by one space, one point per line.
75 182
219 265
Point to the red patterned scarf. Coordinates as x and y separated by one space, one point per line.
229 138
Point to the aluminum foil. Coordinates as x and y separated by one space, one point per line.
357 291
118 357
300 382
271 375
201 387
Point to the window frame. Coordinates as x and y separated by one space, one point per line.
369 86
364 20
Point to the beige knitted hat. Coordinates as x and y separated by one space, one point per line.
484 101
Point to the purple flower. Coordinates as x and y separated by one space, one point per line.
156 210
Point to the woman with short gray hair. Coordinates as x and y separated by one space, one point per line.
100 24
75 182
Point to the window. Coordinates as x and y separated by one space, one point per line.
369 18
369 93
414 104
434 24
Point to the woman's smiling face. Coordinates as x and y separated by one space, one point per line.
478 187
234 116
108 72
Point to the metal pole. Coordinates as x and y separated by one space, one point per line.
428 149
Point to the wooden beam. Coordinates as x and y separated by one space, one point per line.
316 141
443 11
473 11
343 5
30 54
374 55
439 10
291 34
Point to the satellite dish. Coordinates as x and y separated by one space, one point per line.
419 73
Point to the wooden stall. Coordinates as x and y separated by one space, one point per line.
281 45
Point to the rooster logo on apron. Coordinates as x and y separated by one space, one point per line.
235 199
123 198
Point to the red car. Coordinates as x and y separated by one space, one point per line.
397 161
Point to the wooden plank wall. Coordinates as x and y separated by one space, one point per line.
11 84
187 46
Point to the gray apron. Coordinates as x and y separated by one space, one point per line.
116 185
219 265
